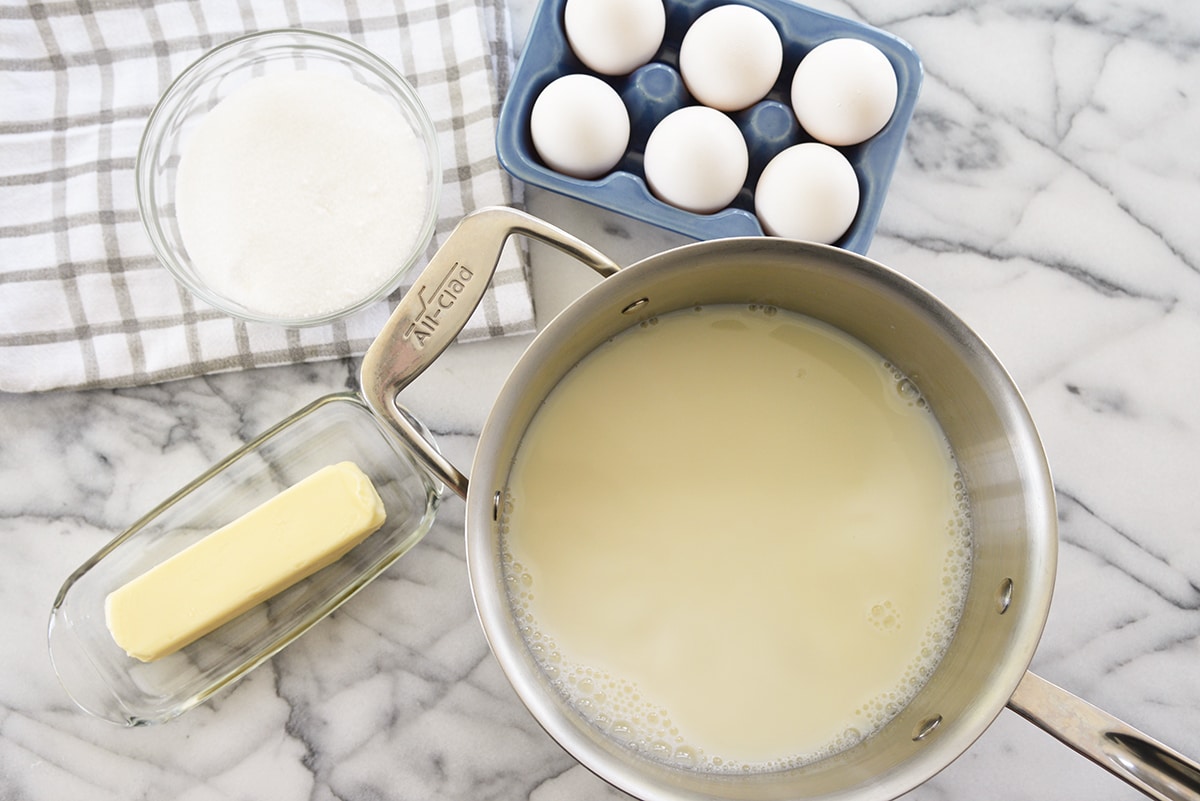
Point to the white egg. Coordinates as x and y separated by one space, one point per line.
808 191
580 126
844 91
730 57
615 37
696 159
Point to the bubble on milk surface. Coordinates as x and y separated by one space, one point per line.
885 616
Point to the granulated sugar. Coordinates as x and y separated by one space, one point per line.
300 194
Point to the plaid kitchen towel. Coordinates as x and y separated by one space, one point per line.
83 300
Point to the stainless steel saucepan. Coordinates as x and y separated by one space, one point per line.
981 411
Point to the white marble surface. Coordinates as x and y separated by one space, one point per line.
1049 192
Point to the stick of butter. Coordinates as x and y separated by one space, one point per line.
306 527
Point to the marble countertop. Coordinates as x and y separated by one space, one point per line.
1049 192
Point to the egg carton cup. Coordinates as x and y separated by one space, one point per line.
656 89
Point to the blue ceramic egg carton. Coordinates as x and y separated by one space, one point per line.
656 89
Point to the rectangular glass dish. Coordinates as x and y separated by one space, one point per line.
110 684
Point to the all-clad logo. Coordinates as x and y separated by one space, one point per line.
433 302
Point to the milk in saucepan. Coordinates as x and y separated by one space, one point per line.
736 539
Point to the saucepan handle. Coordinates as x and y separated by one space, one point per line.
1143 762
434 311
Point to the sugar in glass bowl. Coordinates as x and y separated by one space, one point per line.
184 118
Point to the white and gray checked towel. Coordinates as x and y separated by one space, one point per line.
83 300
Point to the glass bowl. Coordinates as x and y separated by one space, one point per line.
110 684
218 74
